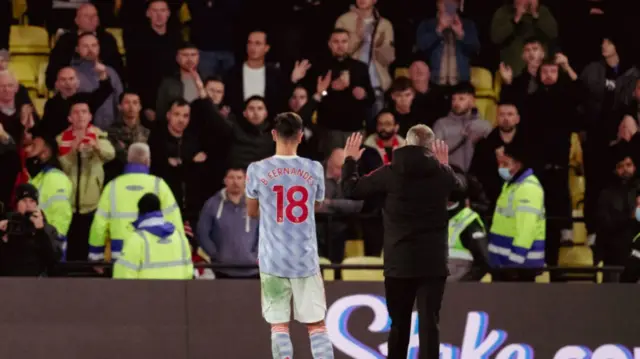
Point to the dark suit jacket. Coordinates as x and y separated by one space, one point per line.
277 91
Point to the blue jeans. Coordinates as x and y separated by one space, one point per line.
215 63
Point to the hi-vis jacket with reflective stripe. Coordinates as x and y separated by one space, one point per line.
457 225
54 188
518 229
118 208
150 256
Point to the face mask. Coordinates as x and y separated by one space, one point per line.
384 135
504 173
638 214
452 206
34 166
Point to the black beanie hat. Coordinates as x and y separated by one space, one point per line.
148 203
26 190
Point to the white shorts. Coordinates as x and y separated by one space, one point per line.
309 302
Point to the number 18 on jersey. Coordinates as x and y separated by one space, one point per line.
287 188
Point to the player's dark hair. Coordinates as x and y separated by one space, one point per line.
255 98
127 92
400 84
288 125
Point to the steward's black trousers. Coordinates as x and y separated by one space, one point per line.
401 294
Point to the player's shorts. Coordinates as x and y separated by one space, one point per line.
309 302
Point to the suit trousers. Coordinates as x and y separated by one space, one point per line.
401 294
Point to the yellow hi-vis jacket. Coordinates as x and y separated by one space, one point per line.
518 228
158 252
118 208
54 199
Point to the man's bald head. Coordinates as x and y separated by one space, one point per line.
87 18
8 86
67 82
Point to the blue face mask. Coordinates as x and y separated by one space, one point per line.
504 173
638 214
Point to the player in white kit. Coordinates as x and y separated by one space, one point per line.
284 190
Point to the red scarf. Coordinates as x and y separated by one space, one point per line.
68 137
383 151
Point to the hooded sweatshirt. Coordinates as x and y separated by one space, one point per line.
228 235
417 189
456 131
106 114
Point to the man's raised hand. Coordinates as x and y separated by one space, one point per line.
352 147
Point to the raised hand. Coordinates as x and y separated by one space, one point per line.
101 70
440 151
562 60
200 157
300 70
352 147
323 83
456 26
506 73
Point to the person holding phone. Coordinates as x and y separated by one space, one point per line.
448 42
29 246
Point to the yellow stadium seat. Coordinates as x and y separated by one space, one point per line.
38 104
487 108
354 248
41 85
117 34
482 80
28 40
185 15
497 84
19 8
402 71
363 274
25 73
327 274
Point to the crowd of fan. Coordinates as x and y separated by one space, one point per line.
206 115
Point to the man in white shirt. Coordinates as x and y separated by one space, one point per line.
256 78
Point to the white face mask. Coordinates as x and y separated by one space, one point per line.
453 206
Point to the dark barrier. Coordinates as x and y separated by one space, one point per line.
79 318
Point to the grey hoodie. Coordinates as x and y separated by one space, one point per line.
451 129
106 114
228 234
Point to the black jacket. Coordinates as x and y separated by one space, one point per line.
187 179
56 110
339 110
616 224
277 90
65 50
417 188
29 255
150 57
249 143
